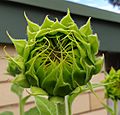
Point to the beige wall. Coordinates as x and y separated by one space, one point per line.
84 104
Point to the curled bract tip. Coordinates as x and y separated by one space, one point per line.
9 35
89 18
68 11
25 16
7 55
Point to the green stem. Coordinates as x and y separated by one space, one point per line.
115 107
67 106
60 109
104 105
63 108
21 107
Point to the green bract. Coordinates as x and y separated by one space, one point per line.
113 87
57 57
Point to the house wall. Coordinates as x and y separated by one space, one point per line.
84 104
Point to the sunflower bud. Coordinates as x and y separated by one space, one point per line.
57 57
112 88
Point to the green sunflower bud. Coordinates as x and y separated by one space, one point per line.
112 88
57 57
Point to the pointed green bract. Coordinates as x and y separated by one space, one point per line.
57 25
47 23
19 44
67 20
86 29
31 35
93 39
112 71
33 27
99 64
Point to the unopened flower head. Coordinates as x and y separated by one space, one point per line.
57 56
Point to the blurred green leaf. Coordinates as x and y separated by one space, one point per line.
32 111
44 106
21 80
7 113
18 90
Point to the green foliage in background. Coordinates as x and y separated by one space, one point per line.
113 87
6 113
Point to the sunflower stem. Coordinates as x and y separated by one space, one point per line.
115 107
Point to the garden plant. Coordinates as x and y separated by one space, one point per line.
112 89
56 62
